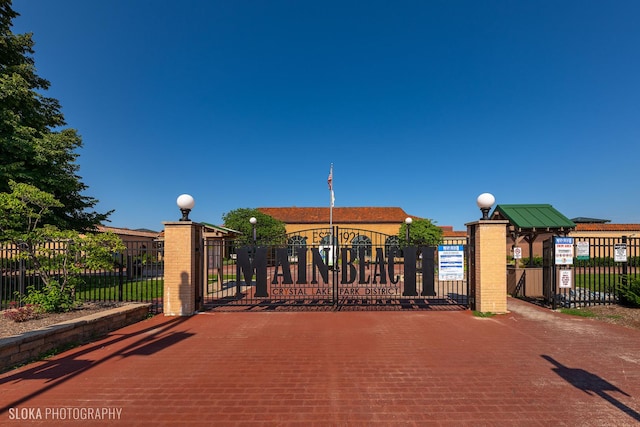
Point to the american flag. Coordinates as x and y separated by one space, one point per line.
330 182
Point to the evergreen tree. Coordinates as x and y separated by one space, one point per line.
34 147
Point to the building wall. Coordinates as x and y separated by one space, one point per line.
390 229
127 235
314 237
524 245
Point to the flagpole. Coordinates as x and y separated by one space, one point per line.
331 204
332 254
331 201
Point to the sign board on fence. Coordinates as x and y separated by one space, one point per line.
582 250
563 250
517 253
620 252
565 279
450 262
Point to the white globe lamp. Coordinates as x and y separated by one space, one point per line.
408 220
485 201
253 221
185 202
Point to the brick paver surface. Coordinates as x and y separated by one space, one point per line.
529 367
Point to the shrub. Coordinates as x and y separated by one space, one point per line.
630 293
52 297
22 314
537 261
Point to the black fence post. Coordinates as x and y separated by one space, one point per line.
121 278
625 267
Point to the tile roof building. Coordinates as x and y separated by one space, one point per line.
605 230
386 220
127 234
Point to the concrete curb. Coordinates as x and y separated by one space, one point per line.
19 349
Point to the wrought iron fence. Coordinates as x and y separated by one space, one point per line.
137 275
601 266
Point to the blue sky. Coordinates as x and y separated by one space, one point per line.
418 104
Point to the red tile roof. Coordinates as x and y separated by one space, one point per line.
607 227
362 215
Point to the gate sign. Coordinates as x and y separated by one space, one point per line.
620 252
582 250
450 262
517 252
565 278
563 250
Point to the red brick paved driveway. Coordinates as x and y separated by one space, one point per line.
530 367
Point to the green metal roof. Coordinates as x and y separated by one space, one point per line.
585 220
221 228
534 216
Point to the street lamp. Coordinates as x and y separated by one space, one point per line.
485 201
253 222
408 220
185 202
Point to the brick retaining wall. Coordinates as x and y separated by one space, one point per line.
29 346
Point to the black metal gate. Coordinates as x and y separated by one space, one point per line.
335 269
602 267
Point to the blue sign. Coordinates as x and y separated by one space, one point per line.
451 262
563 250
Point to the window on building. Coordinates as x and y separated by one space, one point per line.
361 241
294 243
392 243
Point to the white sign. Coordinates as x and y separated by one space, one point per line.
563 250
327 254
566 279
582 250
517 253
620 252
450 262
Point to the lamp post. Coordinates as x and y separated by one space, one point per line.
253 222
185 202
408 221
485 201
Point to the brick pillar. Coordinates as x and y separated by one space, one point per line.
490 270
183 270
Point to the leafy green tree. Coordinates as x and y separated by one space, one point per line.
57 256
34 148
268 229
421 232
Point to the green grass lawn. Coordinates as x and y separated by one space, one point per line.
586 312
598 282
582 312
213 278
108 288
